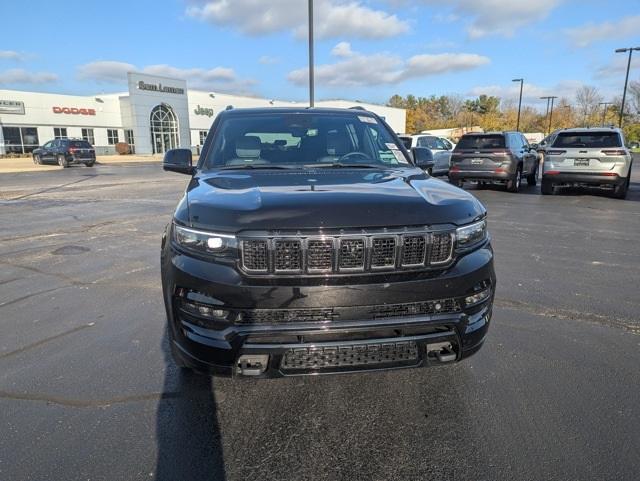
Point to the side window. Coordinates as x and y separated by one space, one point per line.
524 141
422 142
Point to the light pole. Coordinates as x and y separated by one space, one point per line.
626 80
550 110
311 83
521 80
604 110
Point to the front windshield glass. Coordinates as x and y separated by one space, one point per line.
303 140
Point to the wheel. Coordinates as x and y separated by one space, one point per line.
37 160
89 163
430 171
546 187
456 182
532 178
513 185
620 191
62 161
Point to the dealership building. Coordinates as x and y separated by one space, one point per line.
154 115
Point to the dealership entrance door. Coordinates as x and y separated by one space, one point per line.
164 129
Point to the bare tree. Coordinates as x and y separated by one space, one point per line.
587 100
634 97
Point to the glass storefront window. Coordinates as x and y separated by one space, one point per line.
20 140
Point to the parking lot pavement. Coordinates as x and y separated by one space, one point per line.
87 390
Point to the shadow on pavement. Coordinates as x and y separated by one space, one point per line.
187 430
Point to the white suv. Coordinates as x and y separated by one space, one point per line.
588 157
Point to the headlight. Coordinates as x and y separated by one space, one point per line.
201 241
472 234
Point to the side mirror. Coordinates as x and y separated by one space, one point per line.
535 146
423 157
178 160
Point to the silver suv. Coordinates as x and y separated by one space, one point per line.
588 157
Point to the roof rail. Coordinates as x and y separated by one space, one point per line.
229 107
357 107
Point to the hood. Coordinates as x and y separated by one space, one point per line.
232 201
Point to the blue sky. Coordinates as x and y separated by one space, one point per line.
366 49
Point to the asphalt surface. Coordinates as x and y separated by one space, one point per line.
87 391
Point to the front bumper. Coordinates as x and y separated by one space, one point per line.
355 337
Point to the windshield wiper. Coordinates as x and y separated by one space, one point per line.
255 167
338 165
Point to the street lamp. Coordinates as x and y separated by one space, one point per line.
521 80
626 80
311 86
604 110
550 110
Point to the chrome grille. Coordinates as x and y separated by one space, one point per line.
346 253
414 249
320 255
441 248
255 255
350 356
287 255
351 254
383 252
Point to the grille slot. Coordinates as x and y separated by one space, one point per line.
383 252
441 306
276 316
320 255
414 249
441 246
351 254
287 255
350 356
255 255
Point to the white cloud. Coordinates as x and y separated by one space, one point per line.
616 68
343 50
355 69
218 78
11 55
587 34
497 17
332 18
21 76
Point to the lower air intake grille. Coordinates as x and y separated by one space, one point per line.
350 356
255 256
275 316
442 306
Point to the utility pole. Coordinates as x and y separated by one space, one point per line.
550 110
521 80
311 83
626 80
604 111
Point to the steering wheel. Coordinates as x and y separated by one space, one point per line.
350 155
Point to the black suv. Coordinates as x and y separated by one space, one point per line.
307 242
65 152
494 157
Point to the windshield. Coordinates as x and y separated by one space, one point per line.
495 141
593 140
431 142
303 139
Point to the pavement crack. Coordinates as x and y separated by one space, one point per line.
44 341
19 299
52 188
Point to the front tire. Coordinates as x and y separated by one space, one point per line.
62 161
89 163
37 160
456 182
546 187
513 184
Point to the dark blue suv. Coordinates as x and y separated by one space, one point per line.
65 152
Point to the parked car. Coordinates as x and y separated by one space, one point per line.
423 157
333 254
65 152
441 152
588 157
494 157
